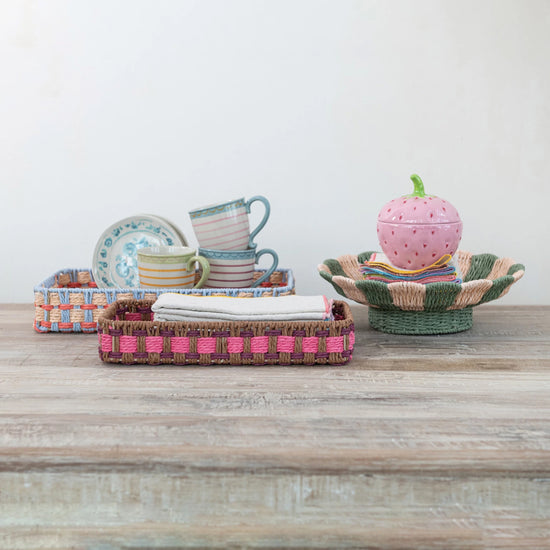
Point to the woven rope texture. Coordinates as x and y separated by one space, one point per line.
486 277
127 335
70 301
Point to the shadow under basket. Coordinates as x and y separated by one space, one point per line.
433 308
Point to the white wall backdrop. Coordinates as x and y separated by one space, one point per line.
112 108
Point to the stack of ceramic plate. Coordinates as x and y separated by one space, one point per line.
115 255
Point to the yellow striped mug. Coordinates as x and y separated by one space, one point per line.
170 267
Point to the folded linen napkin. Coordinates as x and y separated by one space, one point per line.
181 307
379 268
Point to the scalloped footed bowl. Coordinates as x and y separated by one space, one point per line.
433 308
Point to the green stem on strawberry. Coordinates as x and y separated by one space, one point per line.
418 187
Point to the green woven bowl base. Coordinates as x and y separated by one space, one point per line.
420 322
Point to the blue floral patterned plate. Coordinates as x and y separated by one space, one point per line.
115 256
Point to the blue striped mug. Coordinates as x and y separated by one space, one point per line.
235 268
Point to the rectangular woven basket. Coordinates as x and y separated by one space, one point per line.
70 301
128 334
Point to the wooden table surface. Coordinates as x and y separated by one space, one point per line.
420 442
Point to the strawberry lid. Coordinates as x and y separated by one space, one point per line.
418 208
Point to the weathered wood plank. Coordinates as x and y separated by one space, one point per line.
498 337
345 433
266 510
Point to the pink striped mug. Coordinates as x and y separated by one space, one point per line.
225 226
235 268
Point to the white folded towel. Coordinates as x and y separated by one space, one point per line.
182 307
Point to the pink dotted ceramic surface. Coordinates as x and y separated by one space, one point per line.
416 230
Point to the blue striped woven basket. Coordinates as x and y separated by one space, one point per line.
70 301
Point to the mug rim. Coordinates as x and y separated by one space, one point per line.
166 251
217 205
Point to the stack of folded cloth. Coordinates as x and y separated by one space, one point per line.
182 307
379 268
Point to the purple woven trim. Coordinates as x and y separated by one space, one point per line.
167 333
351 328
139 333
247 355
321 355
115 354
298 333
192 356
115 332
271 356
296 355
167 355
220 356
246 334
320 333
273 333
144 310
141 354
121 310
346 353
221 334
192 333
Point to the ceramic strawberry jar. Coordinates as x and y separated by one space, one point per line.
416 230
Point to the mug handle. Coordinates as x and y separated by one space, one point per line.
205 269
259 254
247 205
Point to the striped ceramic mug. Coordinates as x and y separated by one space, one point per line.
170 267
235 268
225 226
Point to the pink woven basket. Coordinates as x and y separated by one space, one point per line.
128 334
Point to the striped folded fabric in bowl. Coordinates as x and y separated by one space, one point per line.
379 268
